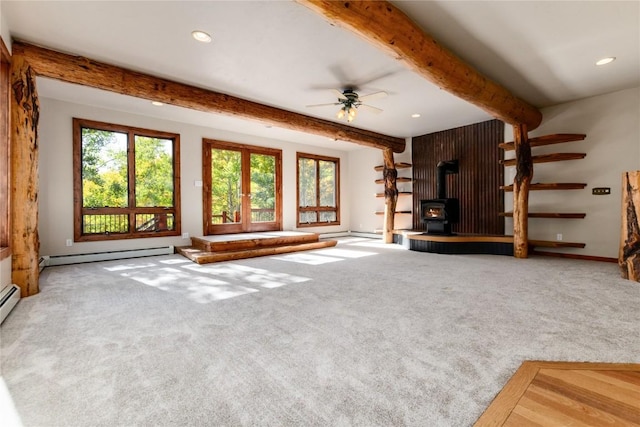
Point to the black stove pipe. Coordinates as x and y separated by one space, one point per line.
445 168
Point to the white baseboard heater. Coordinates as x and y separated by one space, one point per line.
9 297
105 256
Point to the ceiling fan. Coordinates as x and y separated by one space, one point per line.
350 101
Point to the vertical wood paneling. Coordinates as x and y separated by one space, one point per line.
477 185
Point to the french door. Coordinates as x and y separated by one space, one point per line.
242 188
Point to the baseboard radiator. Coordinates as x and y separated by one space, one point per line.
105 256
9 297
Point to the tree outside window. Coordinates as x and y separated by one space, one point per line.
318 190
126 182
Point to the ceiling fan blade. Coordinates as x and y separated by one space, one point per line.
323 105
374 78
374 95
338 93
371 109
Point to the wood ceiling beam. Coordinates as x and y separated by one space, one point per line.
387 27
87 72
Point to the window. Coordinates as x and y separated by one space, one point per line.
126 182
318 190
5 184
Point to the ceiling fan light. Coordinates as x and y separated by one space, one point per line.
350 118
352 112
340 113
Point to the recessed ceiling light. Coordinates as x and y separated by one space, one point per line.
415 115
201 36
157 103
605 61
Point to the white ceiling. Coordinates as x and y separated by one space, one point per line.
282 54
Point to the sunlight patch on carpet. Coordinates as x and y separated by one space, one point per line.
131 266
209 283
307 258
346 253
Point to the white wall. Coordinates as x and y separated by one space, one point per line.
612 125
4 29
5 264
56 176
5 272
362 190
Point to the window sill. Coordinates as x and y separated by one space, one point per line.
123 236
5 253
317 224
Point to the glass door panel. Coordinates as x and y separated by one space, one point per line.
226 190
242 188
263 188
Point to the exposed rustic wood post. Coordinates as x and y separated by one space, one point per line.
390 174
524 173
629 254
91 73
25 112
385 26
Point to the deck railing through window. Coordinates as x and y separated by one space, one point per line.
257 215
119 223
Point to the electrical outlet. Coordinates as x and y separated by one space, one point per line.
185 235
559 236
69 242
601 190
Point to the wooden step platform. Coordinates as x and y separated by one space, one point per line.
228 247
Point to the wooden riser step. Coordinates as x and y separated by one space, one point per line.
204 257
251 241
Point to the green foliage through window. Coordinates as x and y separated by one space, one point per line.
127 181
318 183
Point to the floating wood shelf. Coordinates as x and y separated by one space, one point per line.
547 140
555 244
549 186
400 165
397 212
546 158
399 179
548 215
400 193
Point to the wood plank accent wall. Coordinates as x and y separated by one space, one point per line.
477 185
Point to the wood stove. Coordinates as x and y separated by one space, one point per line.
438 214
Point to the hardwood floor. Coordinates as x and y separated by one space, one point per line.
567 394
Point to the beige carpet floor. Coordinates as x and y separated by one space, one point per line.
361 334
